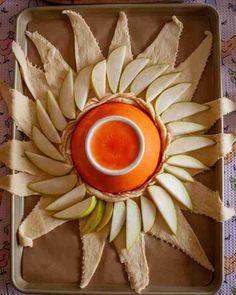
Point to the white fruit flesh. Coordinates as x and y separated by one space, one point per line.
170 96
106 216
50 166
78 210
54 186
133 223
165 206
148 210
98 78
178 172
118 219
181 128
115 64
160 84
72 197
131 71
176 188
186 162
146 77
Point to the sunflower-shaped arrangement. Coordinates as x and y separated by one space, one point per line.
116 144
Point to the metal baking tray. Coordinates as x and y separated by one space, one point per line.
210 86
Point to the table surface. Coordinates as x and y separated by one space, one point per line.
227 9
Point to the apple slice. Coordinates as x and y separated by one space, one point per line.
178 172
165 206
55 112
182 110
78 210
160 84
118 219
54 186
148 210
72 197
48 165
181 128
94 219
133 223
146 77
189 143
115 64
170 96
66 97
186 162
106 216
46 124
44 145
98 78
176 188
131 71
82 86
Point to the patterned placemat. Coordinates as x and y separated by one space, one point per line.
227 9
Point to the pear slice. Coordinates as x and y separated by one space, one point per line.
178 172
55 186
48 165
106 216
165 206
66 97
55 112
181 128
189 143
98 78
94 219
118 219
44 145
82 86
148 210
133 223
78 210
182 110
176 188
46 124
170 96
115 64
186 162
146 77
160 84
131 71
72 197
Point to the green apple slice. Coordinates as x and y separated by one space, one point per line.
118 219
46 124
182 110
160 84
165 206
186 161
94 219
66 97
50 166
131 71
133 223
44 145
78 210
55 186
148 210
146 77
82 86
178 172
181 128
55 112
189 143
106 216
98 78
115 64
176 188
170 96
72 197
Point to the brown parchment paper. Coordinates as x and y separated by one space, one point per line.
56 257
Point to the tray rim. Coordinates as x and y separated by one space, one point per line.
26 287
